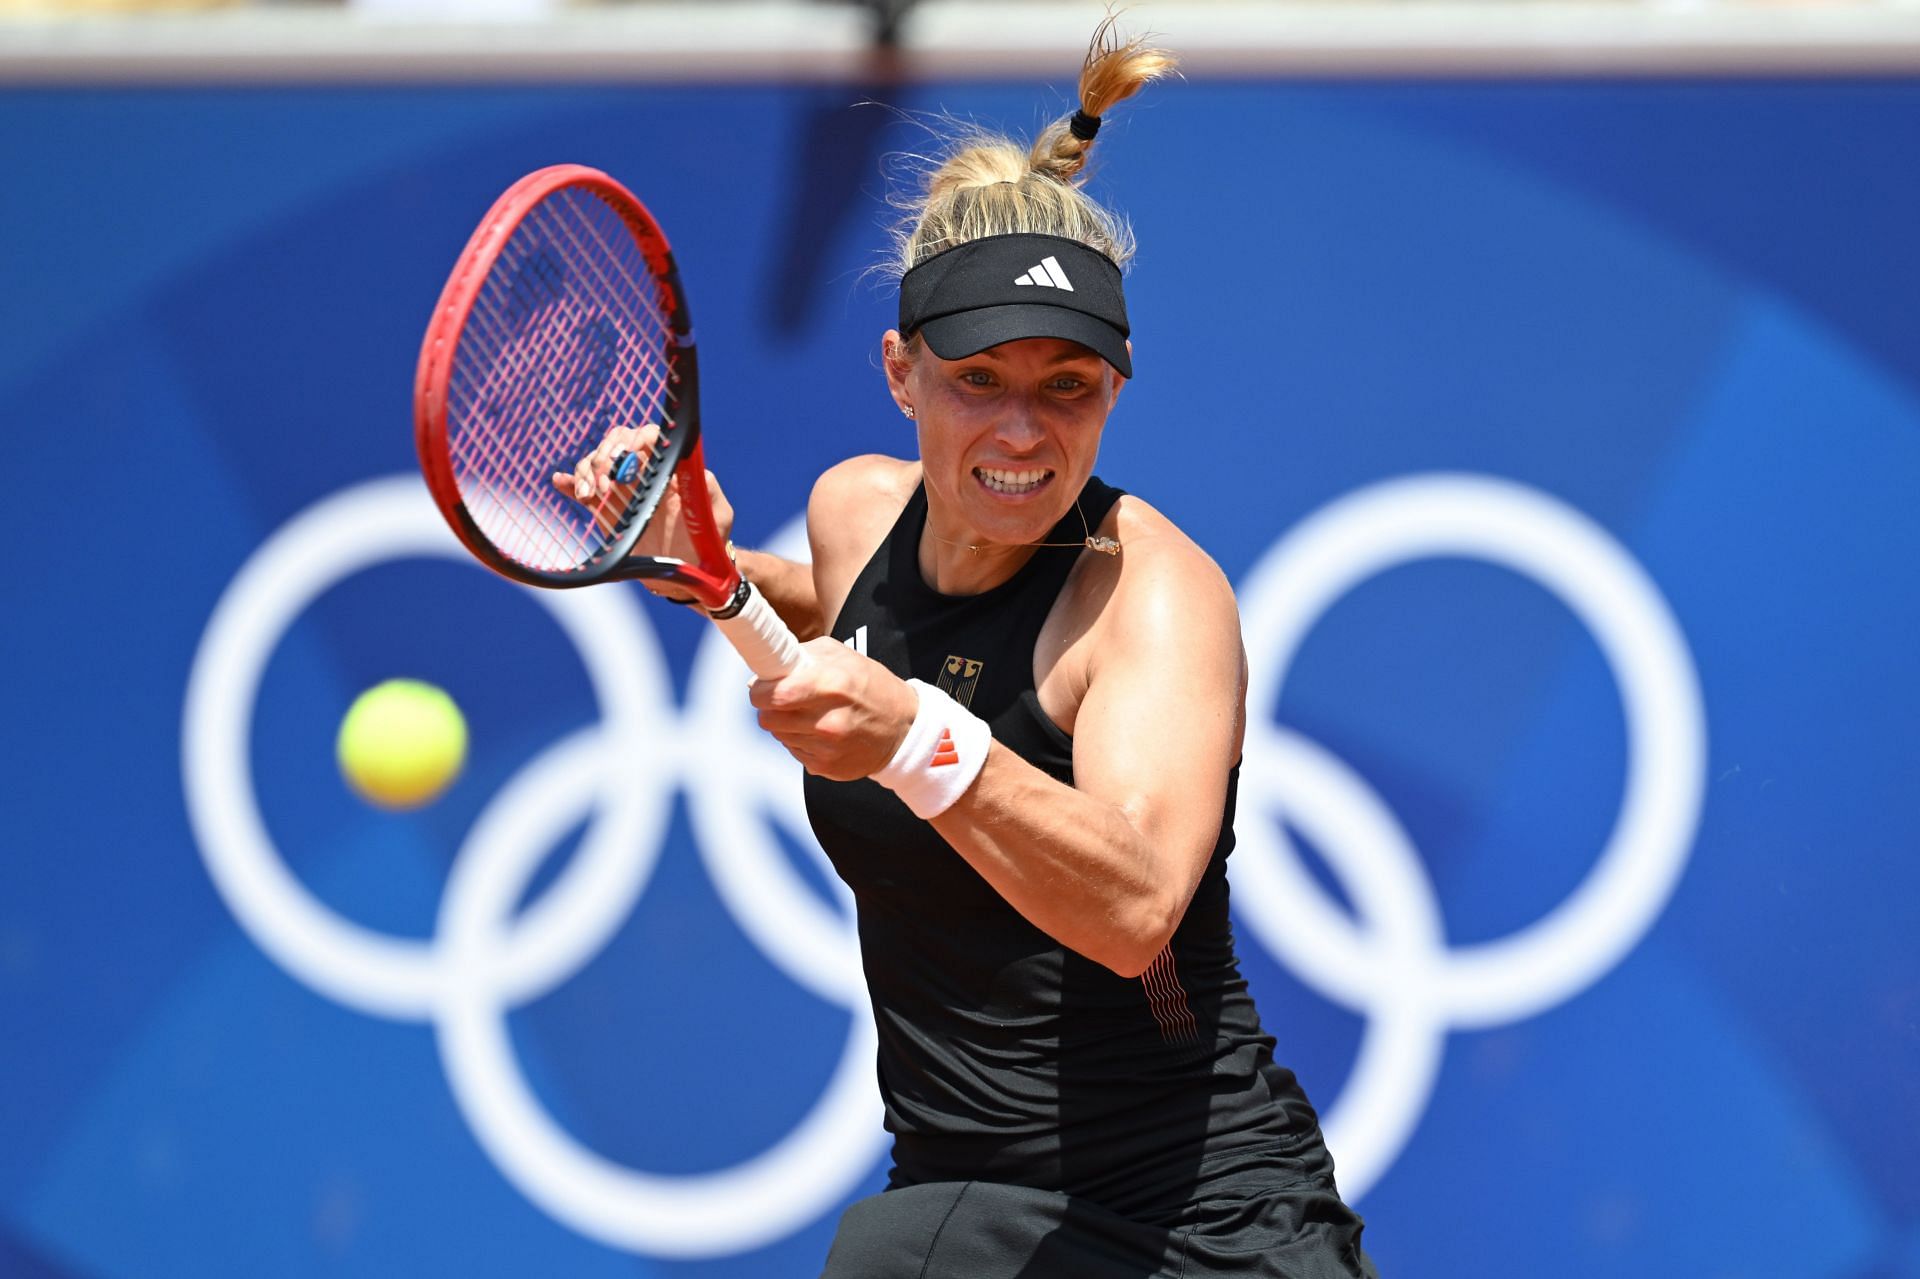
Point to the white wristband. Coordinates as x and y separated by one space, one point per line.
939 757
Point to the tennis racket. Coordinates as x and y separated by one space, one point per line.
563 319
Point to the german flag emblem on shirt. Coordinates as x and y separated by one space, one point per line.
958 676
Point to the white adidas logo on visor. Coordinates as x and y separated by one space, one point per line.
1047 275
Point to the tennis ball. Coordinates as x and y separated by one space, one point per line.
401 744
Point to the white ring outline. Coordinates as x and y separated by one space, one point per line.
396 978
1341 545
755 1202
1424 517
465 992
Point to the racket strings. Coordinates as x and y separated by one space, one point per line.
495 419
613 243
565 341
482 448
647 401
503 432
559 534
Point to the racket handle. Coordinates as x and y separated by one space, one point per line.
626 467
759 635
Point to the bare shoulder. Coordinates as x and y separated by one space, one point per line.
855 502
853 505
1161 576
1160 605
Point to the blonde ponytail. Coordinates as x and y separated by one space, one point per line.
987 184
1115 69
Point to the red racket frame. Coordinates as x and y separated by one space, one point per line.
680 459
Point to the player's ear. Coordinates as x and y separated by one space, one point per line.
897 364
1120 379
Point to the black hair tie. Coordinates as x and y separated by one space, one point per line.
1083 126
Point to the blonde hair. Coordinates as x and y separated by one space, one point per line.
987 184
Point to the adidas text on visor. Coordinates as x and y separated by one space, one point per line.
1007 287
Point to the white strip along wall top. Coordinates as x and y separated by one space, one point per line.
787 40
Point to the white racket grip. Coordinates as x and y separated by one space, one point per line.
759 635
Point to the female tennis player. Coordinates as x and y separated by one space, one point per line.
1020 721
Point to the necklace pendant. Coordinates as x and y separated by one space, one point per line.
1104 545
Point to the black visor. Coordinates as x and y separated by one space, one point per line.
1007 287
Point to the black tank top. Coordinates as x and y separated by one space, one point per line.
1005 1056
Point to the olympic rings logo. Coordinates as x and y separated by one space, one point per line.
1399 971
485 959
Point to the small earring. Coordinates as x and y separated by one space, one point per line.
907 409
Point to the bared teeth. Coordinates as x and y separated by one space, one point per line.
1007 481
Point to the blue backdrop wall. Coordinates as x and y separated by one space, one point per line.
1559 436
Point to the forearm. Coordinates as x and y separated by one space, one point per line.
787 586
1075 866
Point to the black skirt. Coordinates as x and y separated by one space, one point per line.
987 1230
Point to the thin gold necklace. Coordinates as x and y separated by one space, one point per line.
1093 542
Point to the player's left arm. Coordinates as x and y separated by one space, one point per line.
1107 866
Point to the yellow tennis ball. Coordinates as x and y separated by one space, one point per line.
401 744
